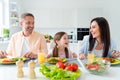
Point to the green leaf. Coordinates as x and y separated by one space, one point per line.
55 73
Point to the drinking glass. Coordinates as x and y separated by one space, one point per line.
90 57
41 57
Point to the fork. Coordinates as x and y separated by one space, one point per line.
82 64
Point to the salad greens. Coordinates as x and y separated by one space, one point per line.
55 73
16 59
55 60
11 60
98 66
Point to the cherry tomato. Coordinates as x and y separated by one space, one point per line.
60 65
6 60
66 64
92 66
69 68
75 66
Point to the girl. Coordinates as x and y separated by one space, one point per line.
61 47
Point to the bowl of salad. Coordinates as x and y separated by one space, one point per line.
61 71
98 66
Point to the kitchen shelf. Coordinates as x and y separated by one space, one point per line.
13 14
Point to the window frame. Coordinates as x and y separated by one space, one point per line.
4 4
1 17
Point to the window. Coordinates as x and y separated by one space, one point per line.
1 17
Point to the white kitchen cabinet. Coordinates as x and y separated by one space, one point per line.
62 13
62 18
74 47
84 16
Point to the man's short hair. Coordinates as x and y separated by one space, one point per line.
26 14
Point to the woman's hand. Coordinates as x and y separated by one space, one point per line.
3 53
82 56
115 54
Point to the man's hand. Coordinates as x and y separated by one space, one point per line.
30 55
3 53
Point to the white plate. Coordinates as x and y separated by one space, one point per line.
118 58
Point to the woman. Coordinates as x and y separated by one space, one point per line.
99 40
61 46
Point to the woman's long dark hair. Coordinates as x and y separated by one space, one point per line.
57 37
104 35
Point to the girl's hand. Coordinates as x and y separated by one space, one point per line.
49 55
74 55
115 54
82 56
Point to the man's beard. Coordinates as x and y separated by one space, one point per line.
28 31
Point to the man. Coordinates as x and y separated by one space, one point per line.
26 43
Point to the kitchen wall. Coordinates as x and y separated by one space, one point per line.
62 13
73 13
52 31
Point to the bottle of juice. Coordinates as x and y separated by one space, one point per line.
90 57
41 57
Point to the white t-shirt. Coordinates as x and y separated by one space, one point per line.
98 53
25 47
61 54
